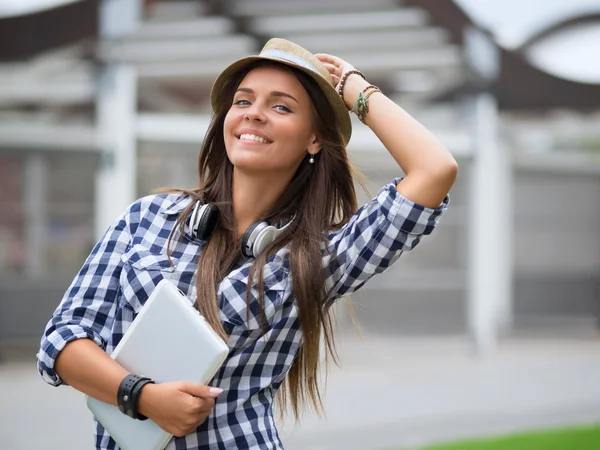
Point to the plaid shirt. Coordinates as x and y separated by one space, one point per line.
130 259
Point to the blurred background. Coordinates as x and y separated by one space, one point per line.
491 326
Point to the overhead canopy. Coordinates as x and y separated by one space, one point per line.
521 84
30 27
534 72
553 49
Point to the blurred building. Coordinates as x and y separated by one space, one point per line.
103 101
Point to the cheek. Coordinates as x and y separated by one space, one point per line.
227 124
228 128
296 132
299 140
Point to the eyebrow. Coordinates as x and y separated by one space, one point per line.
273 93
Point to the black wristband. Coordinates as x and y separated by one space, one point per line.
128 395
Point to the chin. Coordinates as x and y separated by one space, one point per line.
249 163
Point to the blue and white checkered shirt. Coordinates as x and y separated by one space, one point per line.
130 260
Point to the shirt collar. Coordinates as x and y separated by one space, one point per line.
176 206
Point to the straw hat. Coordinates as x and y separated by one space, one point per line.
290 54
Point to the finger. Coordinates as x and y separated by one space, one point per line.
339 63
207 404
330 59
324 57
201 420
203 405
331 68
200 390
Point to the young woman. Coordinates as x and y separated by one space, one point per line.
273 159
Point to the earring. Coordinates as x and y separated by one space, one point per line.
312 159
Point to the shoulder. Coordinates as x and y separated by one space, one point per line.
155 207
164 204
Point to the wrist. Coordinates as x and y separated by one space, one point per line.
146 399
352 89
128 395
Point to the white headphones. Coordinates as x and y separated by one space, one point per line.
256 239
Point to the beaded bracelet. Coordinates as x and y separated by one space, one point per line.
344 78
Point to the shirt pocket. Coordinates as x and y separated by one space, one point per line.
142 271
241 314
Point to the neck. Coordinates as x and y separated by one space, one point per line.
254 197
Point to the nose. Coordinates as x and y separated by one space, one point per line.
254 113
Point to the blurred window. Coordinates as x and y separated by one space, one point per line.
66 216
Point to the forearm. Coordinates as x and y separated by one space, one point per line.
430 169
87 368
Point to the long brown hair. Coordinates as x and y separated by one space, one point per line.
322 198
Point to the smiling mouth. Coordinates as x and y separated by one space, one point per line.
253 138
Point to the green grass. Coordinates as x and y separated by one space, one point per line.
585 438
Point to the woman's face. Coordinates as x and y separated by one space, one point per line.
269 125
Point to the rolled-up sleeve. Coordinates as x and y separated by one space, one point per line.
88 307
375 237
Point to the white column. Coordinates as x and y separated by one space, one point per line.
490 260
116 114
116 111
119 17
506 223
35 202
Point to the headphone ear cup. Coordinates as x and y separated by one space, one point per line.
259 236
249 238
203 220
263 240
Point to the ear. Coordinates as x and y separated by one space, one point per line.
315 146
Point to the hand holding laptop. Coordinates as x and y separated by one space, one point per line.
171 344
178 407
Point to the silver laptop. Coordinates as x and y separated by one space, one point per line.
168 341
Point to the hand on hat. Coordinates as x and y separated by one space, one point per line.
337 67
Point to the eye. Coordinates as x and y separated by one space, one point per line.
241 102
283 108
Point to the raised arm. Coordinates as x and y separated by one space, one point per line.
430 169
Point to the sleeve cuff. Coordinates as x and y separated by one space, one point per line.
408 216
53 344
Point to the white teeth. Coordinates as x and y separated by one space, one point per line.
252 137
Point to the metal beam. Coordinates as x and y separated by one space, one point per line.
278 7
331 42
376 20
385 62
201 71
158 98
175 10
61 92
375 63
48 136
197 28
163 51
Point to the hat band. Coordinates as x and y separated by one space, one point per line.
288 57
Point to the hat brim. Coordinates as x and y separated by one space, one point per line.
340 110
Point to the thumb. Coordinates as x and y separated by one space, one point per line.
200 390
